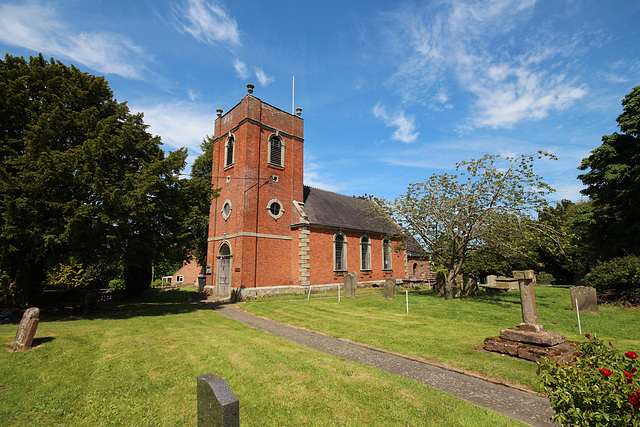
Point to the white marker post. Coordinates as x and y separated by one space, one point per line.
338 292
578 311
406 293
309 296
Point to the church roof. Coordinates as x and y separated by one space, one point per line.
335 210
328 209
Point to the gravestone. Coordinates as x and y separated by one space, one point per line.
217 405
389 288
526 281
350 285
587 299
529 340
26 330
491 280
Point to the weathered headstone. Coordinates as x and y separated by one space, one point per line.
350 284
491 280
26 329
217 405
526 281
389 288
586 297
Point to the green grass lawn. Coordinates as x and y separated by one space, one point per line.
136 363
452 332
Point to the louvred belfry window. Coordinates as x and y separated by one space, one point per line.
275 151
229 151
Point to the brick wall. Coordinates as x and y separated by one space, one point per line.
261 244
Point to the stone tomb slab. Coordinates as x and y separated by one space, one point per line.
586 297
541 338
534 353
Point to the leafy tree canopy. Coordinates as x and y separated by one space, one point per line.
612 178
81 178
486 205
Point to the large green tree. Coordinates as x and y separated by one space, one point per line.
199 186
486 206
566 248
612 178
81 179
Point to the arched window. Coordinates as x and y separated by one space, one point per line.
365 253
276 151
386 254
339 252
229 151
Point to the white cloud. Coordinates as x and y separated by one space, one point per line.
314 176
209 23
179 124
241 68
405 126
36 27
263 79
468 45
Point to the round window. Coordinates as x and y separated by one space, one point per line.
275 208
226 209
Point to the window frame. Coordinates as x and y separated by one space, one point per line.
270 154
365 253
230 142
280 212
387 259
343 254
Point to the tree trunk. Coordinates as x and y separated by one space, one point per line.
137 279
25 283
440 284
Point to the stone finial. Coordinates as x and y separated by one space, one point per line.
298 111
219 111
250 88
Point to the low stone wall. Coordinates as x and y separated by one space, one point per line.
294 290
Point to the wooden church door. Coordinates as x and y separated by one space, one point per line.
224 270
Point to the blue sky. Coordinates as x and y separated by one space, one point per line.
391 92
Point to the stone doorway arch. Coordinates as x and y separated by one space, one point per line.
223 276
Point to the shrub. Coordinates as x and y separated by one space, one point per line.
116 284
158 283
70 275
597 388
619 278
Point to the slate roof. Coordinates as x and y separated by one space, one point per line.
328 209
335 210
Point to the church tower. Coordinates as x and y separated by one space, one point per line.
258 167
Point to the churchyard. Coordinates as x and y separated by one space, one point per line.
137 362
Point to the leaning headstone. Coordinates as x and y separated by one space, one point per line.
350 284
586 297
217 405
26 330
389 288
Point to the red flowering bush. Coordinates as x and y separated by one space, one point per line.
597 388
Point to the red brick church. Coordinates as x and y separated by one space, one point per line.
269 233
